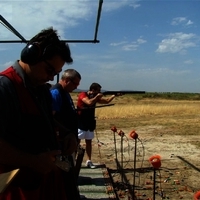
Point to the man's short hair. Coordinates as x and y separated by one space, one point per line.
70 73
45 45
95 86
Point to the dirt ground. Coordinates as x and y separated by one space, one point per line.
178 176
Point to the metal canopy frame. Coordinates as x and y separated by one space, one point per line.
5 23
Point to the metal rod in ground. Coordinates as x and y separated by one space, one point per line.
122 166
154 183
115 147
134 167
126 181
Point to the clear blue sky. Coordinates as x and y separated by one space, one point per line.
144 45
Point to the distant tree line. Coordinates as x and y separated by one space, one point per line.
162 95
172 95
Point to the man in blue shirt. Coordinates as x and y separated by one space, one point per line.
63 107
65 114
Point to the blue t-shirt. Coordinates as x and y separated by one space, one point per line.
63 106
57 100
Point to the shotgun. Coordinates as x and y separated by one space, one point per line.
122 92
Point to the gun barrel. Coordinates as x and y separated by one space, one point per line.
123 92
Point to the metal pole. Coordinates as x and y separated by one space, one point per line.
122 174
98 19
154 183
11 28
115 145
134 165
68 41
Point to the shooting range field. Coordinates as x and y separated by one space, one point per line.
166 127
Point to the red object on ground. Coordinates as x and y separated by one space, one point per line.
197 195
133 135
155 160
114 129
121 133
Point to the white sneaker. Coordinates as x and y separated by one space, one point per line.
89 164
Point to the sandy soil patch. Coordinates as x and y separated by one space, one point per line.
178 176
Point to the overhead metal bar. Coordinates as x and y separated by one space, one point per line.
11 28
23 40
98 19
69 41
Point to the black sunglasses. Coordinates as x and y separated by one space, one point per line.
50 70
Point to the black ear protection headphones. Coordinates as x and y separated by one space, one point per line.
33 52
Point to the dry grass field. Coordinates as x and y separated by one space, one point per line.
129 112
167 127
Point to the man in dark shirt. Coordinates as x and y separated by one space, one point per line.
86 116
27 132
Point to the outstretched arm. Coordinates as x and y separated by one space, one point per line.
106 100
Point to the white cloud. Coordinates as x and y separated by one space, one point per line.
178 20
188 62
118 44
176 43
130 47
181 21
160 71
189 22
29 17
141 41
134 45
135 5
113 5
5 65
